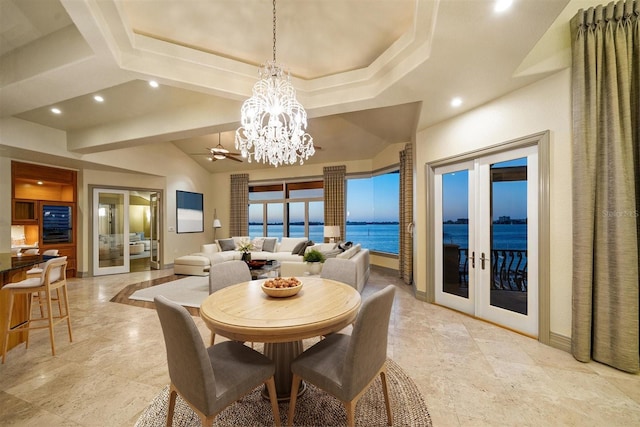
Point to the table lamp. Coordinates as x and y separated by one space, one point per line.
332 231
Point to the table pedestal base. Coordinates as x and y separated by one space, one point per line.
282 354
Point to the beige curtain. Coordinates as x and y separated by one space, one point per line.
334 197
239 212
606 184
406 215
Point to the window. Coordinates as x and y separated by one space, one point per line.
373 212
292 209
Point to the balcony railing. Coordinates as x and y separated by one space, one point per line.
508 269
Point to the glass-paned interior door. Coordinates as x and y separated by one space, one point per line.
110 231
155 222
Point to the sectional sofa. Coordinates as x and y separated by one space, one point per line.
289 251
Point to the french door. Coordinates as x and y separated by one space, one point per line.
110 231
486 237
155 221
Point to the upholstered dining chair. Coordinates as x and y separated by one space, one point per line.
226 274
345 366
340 270
209 379
53 278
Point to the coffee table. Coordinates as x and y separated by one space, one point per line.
272 268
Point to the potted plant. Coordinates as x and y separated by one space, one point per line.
245 247
314 259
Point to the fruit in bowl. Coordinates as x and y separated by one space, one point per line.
280 287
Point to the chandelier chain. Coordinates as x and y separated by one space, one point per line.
274 31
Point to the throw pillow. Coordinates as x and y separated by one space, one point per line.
304 248
344 245
299 247
269 244
227 244
258 244
287 244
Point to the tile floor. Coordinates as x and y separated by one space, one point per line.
470 373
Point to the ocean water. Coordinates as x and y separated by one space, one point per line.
385 237
505 236
378 237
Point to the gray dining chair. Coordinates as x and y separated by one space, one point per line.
345 366
226 274
209 379
340 270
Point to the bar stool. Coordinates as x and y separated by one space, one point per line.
53 277
37 272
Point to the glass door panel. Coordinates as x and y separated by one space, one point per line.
110 231
274 220
454 243
507 236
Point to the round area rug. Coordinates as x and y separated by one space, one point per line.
314 408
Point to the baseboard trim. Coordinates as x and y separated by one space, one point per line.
560 342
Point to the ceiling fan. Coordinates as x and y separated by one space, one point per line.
219 153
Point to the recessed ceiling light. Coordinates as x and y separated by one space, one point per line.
502 5
153 83
39 183
56 111
456 102
98 98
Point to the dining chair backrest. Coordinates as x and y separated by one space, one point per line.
31 251
50 252
367 350
340 270
190 368
228 273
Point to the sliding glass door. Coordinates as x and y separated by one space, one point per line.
110 231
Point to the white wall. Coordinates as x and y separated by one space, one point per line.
545 105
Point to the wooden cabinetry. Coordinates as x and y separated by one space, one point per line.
25 212
35 191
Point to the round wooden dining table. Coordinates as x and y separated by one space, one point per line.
243 312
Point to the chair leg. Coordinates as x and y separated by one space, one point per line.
6 333
273 397
292 400
50 318
213 337
351 412
172 405
66 309
29 318
385 391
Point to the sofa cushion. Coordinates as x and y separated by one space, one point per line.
269 244
227 244
298 249
287 244
258 243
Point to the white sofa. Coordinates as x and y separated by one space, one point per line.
291 264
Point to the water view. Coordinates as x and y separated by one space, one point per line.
381 237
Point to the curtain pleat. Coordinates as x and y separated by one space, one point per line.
606 185
239 212
334 196
405 228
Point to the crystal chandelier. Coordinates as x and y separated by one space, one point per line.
273 122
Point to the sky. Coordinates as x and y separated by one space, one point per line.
368 199
509 198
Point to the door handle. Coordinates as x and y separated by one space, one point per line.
483 259
473 259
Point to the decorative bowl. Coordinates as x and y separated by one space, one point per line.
281 292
